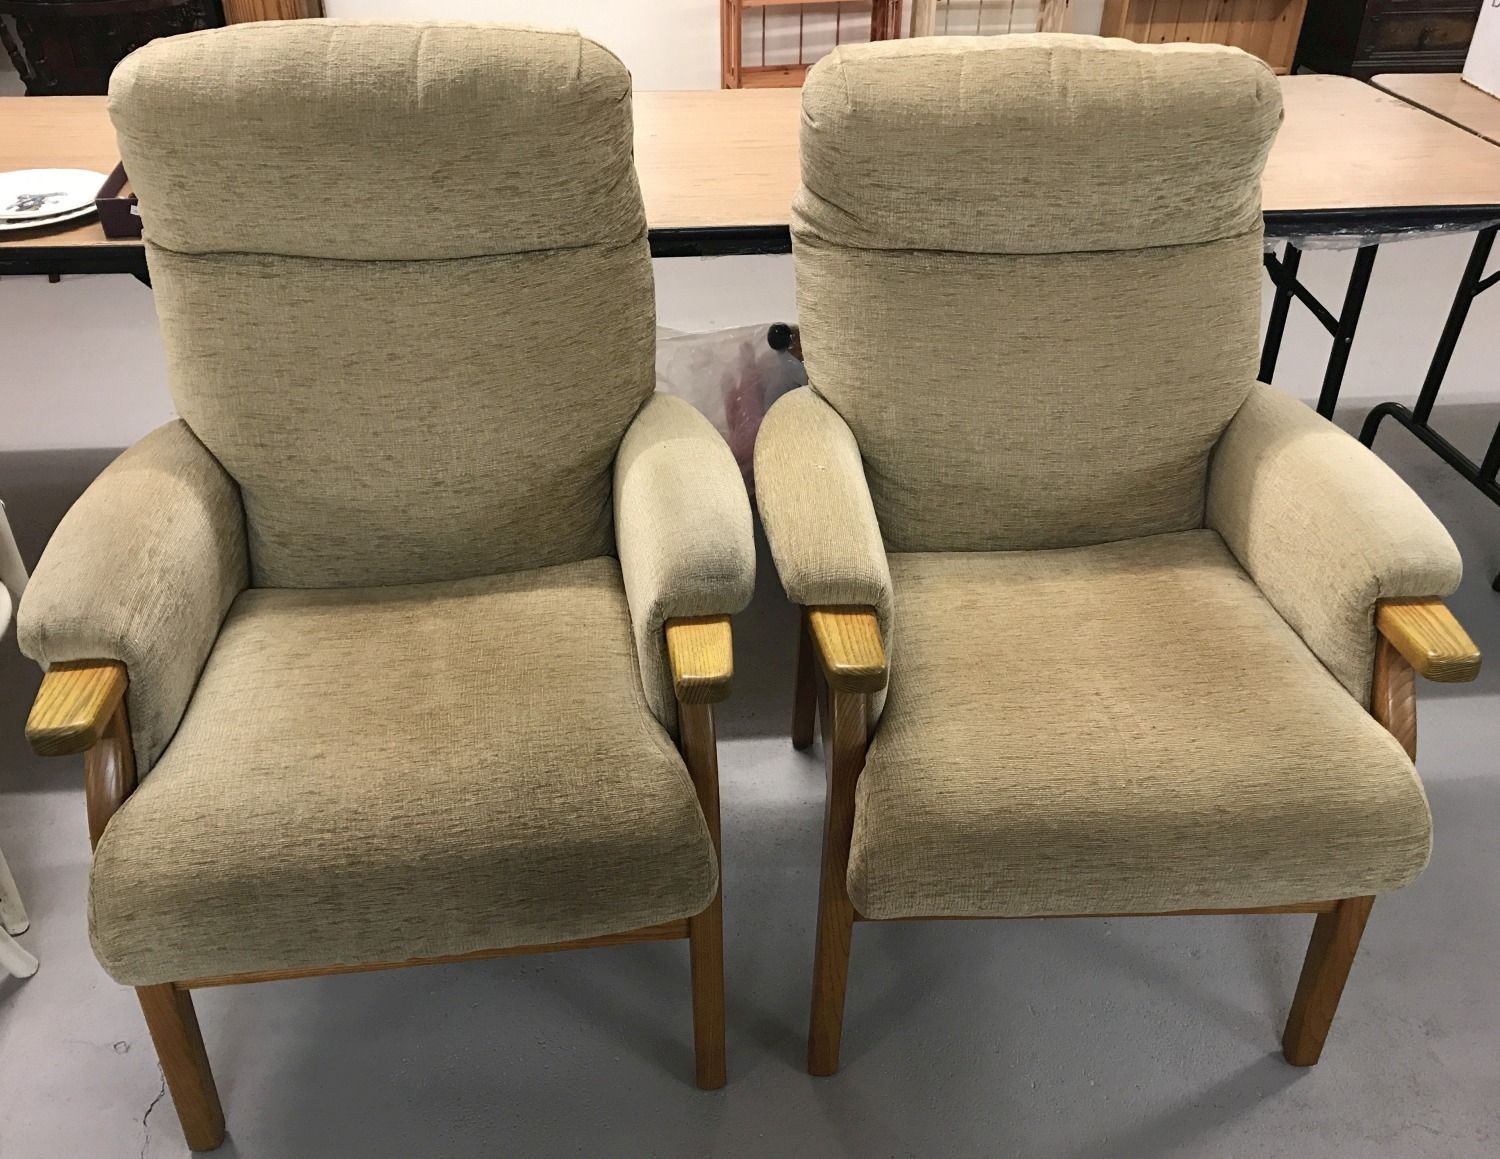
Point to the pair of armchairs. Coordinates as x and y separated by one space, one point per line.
401 644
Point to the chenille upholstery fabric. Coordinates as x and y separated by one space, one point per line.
142 570
384 773
1120 728
1325 528
999 245
1127 593
684 532
1040 144
371 140
437 213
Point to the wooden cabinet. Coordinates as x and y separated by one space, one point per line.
1363 37
1266 28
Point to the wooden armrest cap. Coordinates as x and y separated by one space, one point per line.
848 642
701 652
1433 642
73 706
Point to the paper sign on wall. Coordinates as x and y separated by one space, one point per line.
1482 67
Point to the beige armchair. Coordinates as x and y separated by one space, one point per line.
1097 624
401 644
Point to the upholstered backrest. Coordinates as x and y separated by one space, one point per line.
403 282
1028 276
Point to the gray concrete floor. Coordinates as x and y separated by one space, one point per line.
1086 1038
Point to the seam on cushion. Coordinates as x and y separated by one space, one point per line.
260 28
660 735
1282 616
843 72
111 965
629 243
416 68
1092 45
802 231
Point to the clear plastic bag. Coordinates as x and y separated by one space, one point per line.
732 376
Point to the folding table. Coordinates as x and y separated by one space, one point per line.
1448 96
718 170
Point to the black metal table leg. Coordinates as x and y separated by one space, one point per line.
1490 467
1283 273
1469 288
1343 335
1280 304
1415 419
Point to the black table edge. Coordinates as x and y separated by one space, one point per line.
727 240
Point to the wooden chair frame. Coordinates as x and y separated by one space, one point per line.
841 663
81 708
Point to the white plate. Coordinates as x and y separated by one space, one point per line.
31 193
44 222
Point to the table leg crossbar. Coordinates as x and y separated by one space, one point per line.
1416 418
1341 326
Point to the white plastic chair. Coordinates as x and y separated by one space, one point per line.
13 920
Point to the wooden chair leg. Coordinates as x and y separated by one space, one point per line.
845 736
1334 942
805 702
706 946
179 1046
706 930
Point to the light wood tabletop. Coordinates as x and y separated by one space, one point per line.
1449 96
730 156
727 159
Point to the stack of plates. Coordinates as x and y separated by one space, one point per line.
37 198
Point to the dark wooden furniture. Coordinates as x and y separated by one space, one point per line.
69 49
1360 38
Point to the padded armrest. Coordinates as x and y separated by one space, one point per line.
683 531
815 502
142 570
1324 528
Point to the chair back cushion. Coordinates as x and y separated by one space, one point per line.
404 286
1028 276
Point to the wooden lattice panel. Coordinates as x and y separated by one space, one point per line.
989 17
772 43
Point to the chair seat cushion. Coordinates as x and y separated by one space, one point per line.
1121 728
386 773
